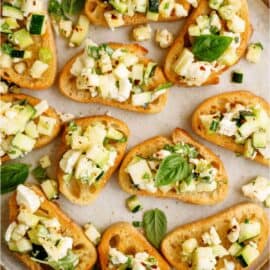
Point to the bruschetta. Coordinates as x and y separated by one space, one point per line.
238 121
116 13
117 75
122 247
26 123
232 239
42 236
28 54
91 150
214 38
176 167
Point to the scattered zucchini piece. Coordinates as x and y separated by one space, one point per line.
237 77
133 204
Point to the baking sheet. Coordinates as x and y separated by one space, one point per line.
177 113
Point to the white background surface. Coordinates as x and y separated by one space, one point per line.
110 205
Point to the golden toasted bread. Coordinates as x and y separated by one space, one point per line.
76 191
182 39
43 139
217 103
67 84
25 80
95 10
82 246
172 244
128 240
148 147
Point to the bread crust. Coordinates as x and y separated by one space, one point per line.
171 244
128 240
218 102
67 84
77 192
82 246
152 145
42 140
48 77
179 43
95 9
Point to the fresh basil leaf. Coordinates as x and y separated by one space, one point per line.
173 168
210 47
155 226
72 7
55 8
11 175
40 173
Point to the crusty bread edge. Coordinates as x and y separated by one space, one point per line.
241 96
43 140
115 230
152 145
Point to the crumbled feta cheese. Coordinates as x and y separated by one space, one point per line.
3 87
20 67
92 233
45 162
164 38
38 68
117 257
211 238
234 231
10 230
142 32
194 3
161 154
179 10
227 127
237 24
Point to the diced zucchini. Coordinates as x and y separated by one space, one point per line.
41 107
237 77
248 255
50 189
45 162
114 134
153 12
194 30
141 6
38 68
17 54
36 24
149 72
249 231
259 139
14 152
80 31
219 251
166 8
22 38
226 12
229 57
183 62
133 204
31 130
36 233
141 99
99 155
96 133
215 4
28 218
11 11
46 125
254 52
23 142
234 249
65 27
23 245
45 55
119 6
189 245
137 74
152 16
249 150
248 128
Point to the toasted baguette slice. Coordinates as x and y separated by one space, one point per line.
42 140
128 240
172 244
179 43
80 193
95 10
152 145
25 80
217 103
82 246
67 84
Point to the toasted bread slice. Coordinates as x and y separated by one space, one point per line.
67 84
25 80
128 240
43 139
181 41
172 244
217 103
95 10
80 193
82 246
148 147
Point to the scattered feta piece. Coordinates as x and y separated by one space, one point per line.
254 52
92 233
164 38
45 162
142 32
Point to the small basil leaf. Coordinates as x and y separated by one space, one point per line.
155 226
72 7
173 168
11 175
40 173
210 47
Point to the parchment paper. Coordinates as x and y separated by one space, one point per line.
110 205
